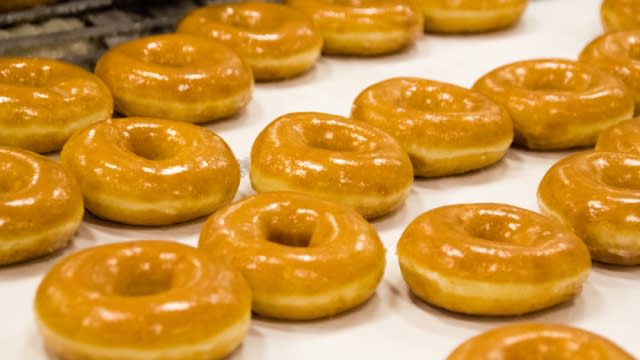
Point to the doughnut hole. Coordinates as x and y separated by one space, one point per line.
619 172
173 54
153 143
251 19
16 175
334 136
436 99
497 226
289 226
557 78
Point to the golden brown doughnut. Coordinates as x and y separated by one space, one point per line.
145 171
623 137
333 158
303 257
278 41
176 76
557 104
44 101
537 342
596 194
460 16
491 259
370 27
617 15
40 206
617 53
445 129
142 300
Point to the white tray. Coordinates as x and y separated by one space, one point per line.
393 324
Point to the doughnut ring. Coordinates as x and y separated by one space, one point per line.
176 76
460 16
620 15
445 129
557 104
142 300
143 171
623 137
44 101
491 259
278 41
40 206
333 158
294 251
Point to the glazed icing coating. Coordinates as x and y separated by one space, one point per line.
364 27
491 259
40 206
142 300
619 54
445 129
620 15
151 172
262 33
596 194
557 104
44 101
304 257
623 137
176 76
455 16
531 341
334 158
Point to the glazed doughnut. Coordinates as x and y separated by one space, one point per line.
623 137
142 300
277 41
151 172
445 129
333 158
303 257
44 101
176 76
617 53
491 259
11 5
460 16
557 104
355 27
538 341
619 15
596 195
40 206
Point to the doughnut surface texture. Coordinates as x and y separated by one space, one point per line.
619 15
445 129
303 257
145 171
364 27
334 158
557 104
623 137
176 76
536 342
463 16
142 300
596 194
277 41
44 101
619 54
40 206
491 259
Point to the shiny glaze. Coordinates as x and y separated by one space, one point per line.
176 76
494 242
147 296
555 103
617 15
258 32
531 341
334 158
169 171
619 54
296 245
10 5
401 20
40 206
44 101
597 195
624 137
436 116
454 16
